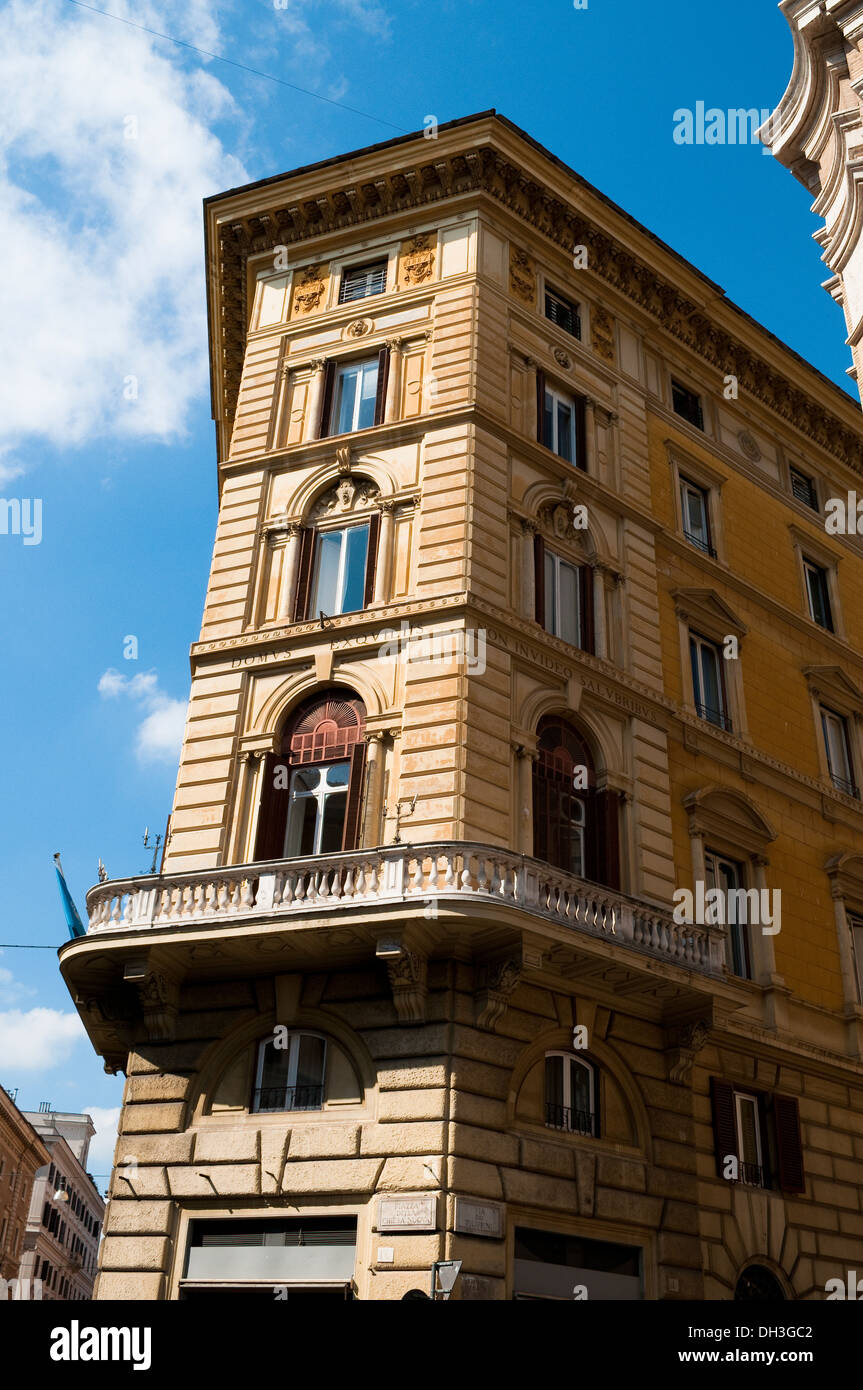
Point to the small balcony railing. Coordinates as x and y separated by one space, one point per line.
430 878
843 784
715 716
701 543
288 1098
573 1121
751 1174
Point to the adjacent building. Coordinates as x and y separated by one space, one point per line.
817 133
22 1154
513 906
66 1210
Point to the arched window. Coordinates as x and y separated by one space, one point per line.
312 787
338 551
575 827
571 1094
290 1072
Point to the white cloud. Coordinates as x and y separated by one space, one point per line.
160 733
11 990
38 1039
101 1156
102 266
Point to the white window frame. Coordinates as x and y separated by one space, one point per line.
855 927
321 795
293 1051
713 861
570 1057
341 368
567 399
810 569
691 489
321 531
743 1097
827 715
701 644
553 623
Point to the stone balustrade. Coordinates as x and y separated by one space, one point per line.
411 874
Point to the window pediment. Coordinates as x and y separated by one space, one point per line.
703 608
833 685
349 495
726 814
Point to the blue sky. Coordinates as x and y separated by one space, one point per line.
109 139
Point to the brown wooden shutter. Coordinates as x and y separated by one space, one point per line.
327 398
597 1105
372 557
606 809
383 378
304 575
724 1122
539 578
585 594
540 404
593 866
355 796
273 813
581 432
789 1149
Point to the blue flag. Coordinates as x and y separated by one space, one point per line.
73 920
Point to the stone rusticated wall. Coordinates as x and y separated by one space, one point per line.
444 1117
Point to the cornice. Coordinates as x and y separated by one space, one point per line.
483 170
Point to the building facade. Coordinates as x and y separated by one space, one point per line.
816 133
523 623
66 1210
22 1154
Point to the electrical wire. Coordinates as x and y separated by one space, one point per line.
255 72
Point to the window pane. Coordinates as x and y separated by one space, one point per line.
564 431
302 823
338 775
368 392
580 1088
554 1081
569 607
819 600
346 393
747 1114
354 580
310 1063
836 739
274 1071
550 568
325 586
332 829
548 421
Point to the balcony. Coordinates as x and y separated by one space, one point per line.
426 880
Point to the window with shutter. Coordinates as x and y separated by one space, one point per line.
687 404
803 488
789 1148
312 787
572 823
562 311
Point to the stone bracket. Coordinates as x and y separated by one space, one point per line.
496 981
158 996
407 967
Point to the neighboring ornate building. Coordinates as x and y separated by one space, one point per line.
522 618
22 1153
817 133
66 1210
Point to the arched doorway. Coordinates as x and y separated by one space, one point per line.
312 787
758 1285
575 826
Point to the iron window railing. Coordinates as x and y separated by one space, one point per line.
362 281
289 1097
752 1174
573 1121
715 716
842 784
701 542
